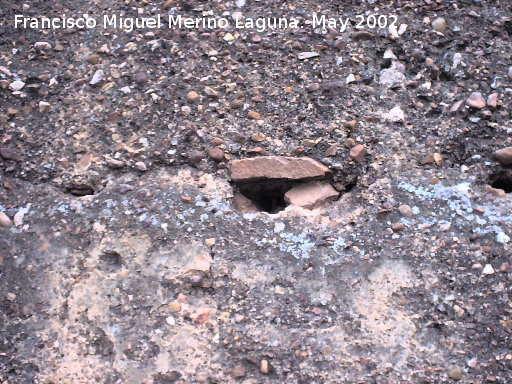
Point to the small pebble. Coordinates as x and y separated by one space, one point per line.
11 296
42 46
5 221
362 36
488 269
17 85
44 106
97 77
216 154
94 59
312 87
405 210
349 143
236 104
141 166
358 153
492 100
192 96
113 163
253 115
258 137
476 100
455 373
6 153
439 25
195 157
238 371
397 227
264 366
174 306
140 78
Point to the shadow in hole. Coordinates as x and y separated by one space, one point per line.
502 180
267 195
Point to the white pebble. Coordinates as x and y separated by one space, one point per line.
350 79
395 115
17 85
488 269
97 77
278 227
502 238
18 218
170 320
42 45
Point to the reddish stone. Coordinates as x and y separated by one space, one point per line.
277 167
358 153
311 195
216 154
504 156
476 100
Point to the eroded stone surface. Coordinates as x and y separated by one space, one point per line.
156 278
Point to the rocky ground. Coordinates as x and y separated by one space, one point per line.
295 206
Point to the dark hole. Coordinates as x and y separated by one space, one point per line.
80 190
351 183
446 76
502 179
167 378
386 63
111 260
508 27
503 182
267 195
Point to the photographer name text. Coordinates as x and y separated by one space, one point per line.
259 24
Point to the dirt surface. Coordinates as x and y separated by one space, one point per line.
123 258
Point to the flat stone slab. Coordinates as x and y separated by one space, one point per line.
504 156
277 167
311 195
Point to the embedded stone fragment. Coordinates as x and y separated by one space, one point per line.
504 156
405 210
476 100
243 204
5 221
439 25
311 195
358 153
216 154
253 115
97 78
455 373
277 167
492 100
395 115
307 55
362 36
16 85
192 96
7 153
392 76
